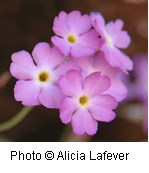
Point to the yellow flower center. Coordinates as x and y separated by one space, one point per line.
83 100
44 76
72 38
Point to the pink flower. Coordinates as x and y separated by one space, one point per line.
37 81
141 86
74 34
98 63
85 102
113 38
138 89
141 74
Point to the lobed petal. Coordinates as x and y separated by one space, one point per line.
67 109
71 83
90 40
78 51
60 24
118 59
85 63
65 67
105 100
119 24
77 23
120 38
82 122
44 55
101 108
51 96
98 22
101 64
76 79
22 66
61 44
102 114
27 92
95 83
117 89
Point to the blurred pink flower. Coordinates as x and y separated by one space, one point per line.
113 38
138 89
74 34
37 83
85 102
141 85
141 74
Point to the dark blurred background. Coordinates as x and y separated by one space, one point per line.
24 23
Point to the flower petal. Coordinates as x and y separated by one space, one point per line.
105 100
103 114
50 96
60 24
117 89
67 108
90 40
116 58
71 83
22 66
119 24
78 50
47 56
120 38
101 64
76 79
95 83
98 22
65 67
86 64
61 44
27 92
77 23
101 108
83 122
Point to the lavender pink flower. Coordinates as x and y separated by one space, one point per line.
141 86
138 89
141 74
113 38
80 74
85 102
74 34
37 75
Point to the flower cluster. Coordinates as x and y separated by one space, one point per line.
78 73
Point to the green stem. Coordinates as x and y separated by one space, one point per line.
15 120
